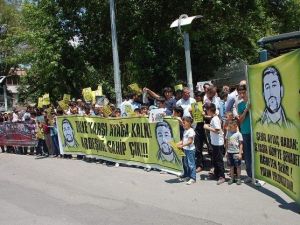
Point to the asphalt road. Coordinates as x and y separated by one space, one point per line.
59 191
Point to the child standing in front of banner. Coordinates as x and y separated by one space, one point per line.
41 148
187 144
234 151
217 142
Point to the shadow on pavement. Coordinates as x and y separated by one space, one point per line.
42 157
173 181
292 206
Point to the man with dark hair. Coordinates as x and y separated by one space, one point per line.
273 93
170 101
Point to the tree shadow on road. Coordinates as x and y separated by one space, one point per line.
292 206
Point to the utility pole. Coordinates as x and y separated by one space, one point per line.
117 78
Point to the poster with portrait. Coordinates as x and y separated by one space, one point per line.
156 115
275 105
132 141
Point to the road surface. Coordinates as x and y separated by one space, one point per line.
60 191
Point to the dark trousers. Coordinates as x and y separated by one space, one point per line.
199 141
217 159
41 147
55 145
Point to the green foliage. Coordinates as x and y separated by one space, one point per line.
151 54
10 47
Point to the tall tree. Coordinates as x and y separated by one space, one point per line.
151 54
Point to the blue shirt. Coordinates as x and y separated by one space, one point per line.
245 125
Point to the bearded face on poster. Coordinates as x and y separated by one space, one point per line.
273 91
164 136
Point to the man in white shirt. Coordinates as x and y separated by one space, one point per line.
186 101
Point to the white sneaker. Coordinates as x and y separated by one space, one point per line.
259 183
191 181
117 165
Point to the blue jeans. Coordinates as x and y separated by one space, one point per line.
189 166
247 153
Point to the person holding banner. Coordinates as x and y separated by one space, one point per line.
187 144
244 119
217 142
198 113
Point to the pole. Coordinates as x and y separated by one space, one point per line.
5 97
188 62
117 78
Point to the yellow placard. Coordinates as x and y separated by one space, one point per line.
197 110
135 88
107 110
67 98
63 105
46 99
87 94
40 102
99 90
178 87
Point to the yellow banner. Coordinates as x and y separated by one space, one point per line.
127 140
275 106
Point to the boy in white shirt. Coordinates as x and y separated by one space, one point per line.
217 142
187 144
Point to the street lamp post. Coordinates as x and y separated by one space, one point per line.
3 30
183 21
117 78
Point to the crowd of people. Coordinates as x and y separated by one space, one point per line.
223 129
